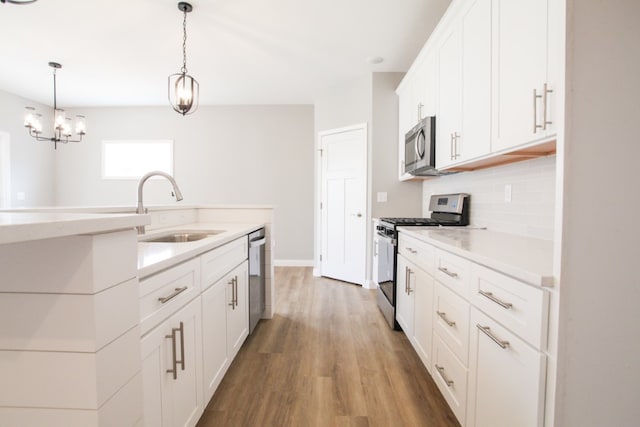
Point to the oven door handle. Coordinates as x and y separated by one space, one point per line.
391 241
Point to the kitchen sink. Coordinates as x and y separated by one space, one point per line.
181 236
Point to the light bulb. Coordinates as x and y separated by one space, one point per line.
29 117
81 125
59 120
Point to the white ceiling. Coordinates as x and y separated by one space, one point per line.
117 52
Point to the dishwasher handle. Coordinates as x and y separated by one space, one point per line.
259 241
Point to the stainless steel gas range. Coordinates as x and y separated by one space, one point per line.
446 210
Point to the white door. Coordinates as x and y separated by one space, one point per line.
344 216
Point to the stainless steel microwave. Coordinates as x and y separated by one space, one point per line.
420 148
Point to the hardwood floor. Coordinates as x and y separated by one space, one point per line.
327 358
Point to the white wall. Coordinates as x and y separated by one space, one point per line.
599 332
222 155
403 198
531 210
32 163
372 100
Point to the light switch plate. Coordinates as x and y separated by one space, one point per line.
507 193
382 196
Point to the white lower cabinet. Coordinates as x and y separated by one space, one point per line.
404 296
506 377
450 375
481 334
225 325
422 317
172 370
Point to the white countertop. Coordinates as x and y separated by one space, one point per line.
157 256
23 227
524 258
127 209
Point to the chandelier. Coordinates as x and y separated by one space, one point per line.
184 90
61 124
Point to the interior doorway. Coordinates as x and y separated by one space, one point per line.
343 208
5 171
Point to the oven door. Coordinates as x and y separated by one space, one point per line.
386 266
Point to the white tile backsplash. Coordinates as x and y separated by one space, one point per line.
531 210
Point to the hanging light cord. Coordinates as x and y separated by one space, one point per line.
55 107
184 44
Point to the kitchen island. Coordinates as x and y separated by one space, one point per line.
70 300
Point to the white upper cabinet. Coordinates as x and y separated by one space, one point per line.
449 118
489 73
523 95
475 140
417 98
464 72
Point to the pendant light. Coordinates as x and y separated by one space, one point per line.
184 90
61 124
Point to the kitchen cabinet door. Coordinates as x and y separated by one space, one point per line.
237 298
172 370
405 284
520 73
214 336
449 117
475 138
422 316
506 377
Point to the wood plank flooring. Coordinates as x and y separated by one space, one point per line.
327 358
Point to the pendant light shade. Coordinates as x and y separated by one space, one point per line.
184 90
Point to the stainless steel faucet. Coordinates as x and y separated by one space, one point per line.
141 209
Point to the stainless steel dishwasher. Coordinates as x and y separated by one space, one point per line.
256 277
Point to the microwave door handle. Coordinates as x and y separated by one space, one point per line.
420 151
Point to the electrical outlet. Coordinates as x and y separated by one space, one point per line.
382 196
507 193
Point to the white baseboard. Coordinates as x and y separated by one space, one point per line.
293 263
370 284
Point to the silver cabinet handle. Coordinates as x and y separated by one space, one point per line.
456 146
452 156
177 291
501 303
406 280
444 377
232 282
181 361
487 331
443 316
447 272
545 92
413 251
409 290
174 356
235 284
536 126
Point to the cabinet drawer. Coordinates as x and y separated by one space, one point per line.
506 377
451 378
164 293
519 307
451 320
453 271
218 262
420 253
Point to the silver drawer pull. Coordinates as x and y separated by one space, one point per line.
444 377
501 303
413 251
176 292
443 316
487 331
447 272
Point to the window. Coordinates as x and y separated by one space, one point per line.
131 159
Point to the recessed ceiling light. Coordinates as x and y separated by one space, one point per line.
375 60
